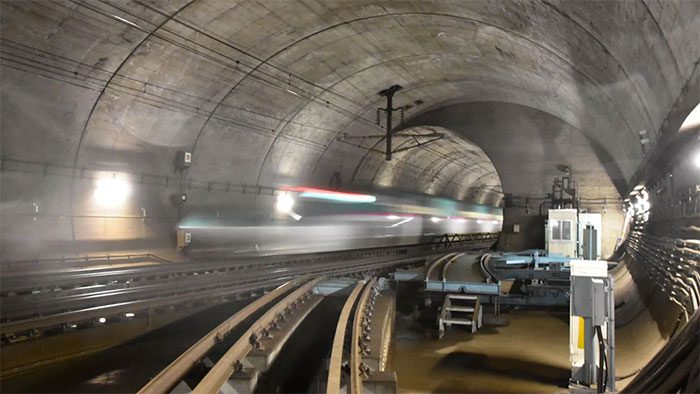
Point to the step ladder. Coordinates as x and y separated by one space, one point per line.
461 310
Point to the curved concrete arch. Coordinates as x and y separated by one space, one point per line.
277 53
562 61
394 174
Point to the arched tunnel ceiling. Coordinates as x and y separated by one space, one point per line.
530 148
260 92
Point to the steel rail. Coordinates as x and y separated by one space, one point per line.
169 377
484 263
447 265
201 283
14 305
88 277
13 309
265 280
336 361
125 307
225 367
355 351
436 263
134 306
30 281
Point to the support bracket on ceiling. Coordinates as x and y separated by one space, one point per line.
389 94
418 139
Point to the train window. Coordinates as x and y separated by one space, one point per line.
556 230
566 230
561 230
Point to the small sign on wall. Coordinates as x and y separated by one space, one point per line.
516 228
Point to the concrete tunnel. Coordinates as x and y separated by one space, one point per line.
102 99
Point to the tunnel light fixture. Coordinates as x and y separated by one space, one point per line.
102 320
479 221
393 217
293 92
112 191
696 159
129 315
295 216
128 22
692 120
435 219
640 204
459 220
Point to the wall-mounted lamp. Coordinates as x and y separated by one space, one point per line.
112 191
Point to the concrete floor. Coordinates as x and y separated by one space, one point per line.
526 352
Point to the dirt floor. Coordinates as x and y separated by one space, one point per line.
522 351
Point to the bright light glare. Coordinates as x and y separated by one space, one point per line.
111 191
331 195
102 320
285 203
393 217
339 197
479 221
435 219
693 119
405 220
129 314
460 220
696 161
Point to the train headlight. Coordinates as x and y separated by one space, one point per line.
285 203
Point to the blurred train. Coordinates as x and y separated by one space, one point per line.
306 220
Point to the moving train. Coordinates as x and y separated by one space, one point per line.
306 220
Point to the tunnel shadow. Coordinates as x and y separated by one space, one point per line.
609 164
507 367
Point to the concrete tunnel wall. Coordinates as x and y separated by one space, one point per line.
260 96
265 94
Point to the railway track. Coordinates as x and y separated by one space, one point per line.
34 304
284 316
251 354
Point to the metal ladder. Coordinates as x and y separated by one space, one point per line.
460 309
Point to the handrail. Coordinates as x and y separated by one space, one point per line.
334 367
173 373
355 351
226 366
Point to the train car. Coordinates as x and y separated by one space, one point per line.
305 220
